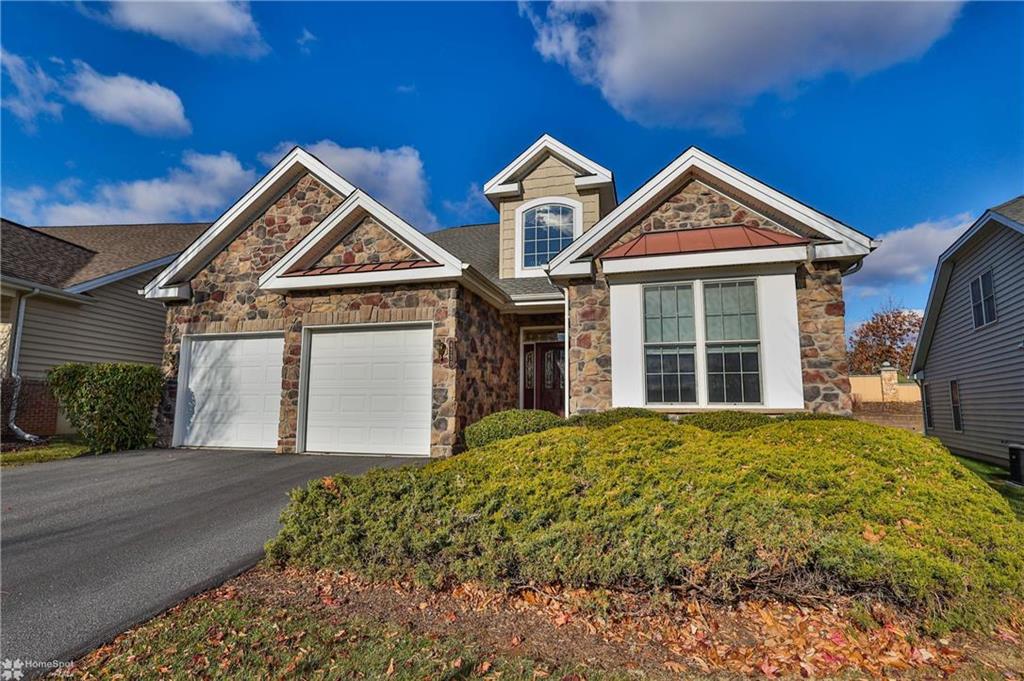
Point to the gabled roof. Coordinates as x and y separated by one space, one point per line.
507 181
332 228
80 258
172 282
1009 215
704 239
479 245
840 240
38 258
120 248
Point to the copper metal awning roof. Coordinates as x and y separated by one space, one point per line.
702 239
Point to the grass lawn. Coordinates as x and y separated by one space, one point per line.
998 479
60 447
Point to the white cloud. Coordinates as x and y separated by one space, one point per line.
473 205
395 177
305 39
405 89
203 27
700 63
145 107
33 90
200 189
907 255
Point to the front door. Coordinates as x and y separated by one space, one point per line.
544 376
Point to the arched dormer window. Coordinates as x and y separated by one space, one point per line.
544 228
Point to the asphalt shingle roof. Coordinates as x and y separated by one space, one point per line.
478 245
37 257
119 247
1013 209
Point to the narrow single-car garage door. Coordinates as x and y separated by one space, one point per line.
369 391
233 396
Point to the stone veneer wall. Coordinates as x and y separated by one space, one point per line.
367 242
820 309
488 360
471 338
821 315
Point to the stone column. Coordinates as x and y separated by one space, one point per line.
890 383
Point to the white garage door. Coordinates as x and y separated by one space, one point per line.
233 395
369 391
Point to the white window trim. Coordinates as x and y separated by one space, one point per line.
701 344
981 292
577 230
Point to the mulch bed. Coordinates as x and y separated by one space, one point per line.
622 631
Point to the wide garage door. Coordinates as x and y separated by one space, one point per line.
234 392
369 391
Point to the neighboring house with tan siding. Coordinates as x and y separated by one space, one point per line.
70 294
311 318
970 354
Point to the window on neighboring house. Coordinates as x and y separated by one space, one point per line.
983 300
547 230
954 399
670 344
926 401
733 344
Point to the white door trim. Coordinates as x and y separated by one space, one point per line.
184 366
304 359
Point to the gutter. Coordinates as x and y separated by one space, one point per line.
12 414
43 290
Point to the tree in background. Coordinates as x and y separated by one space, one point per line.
889 335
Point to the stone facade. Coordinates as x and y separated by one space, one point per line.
476 348
821 315
367 242
696 204
820 309
590 345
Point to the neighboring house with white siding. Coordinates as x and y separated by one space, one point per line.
70 294
970 354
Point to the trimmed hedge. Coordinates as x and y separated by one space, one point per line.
798 510
110 405
735 421
603 419
510 423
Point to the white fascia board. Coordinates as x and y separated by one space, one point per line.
592 181
546 143
168 293
361 202
121 274
940 281
504 190
687 261
284 170
26 285
694 158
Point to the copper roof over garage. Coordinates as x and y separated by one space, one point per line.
702 239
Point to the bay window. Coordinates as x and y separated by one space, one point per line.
702 333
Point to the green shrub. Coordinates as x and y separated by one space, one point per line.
803 509
726 421
603 419
511 423
110 405
812 416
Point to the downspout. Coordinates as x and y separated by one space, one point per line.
12 413
565 407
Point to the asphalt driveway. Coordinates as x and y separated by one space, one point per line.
91 546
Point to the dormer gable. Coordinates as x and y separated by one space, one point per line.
548 196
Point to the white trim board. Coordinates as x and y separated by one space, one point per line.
849 242
357 206
120 274
505 183
167 285
577 229
940 282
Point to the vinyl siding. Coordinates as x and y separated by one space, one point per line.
551 177
121 326
988 362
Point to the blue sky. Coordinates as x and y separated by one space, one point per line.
904 121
